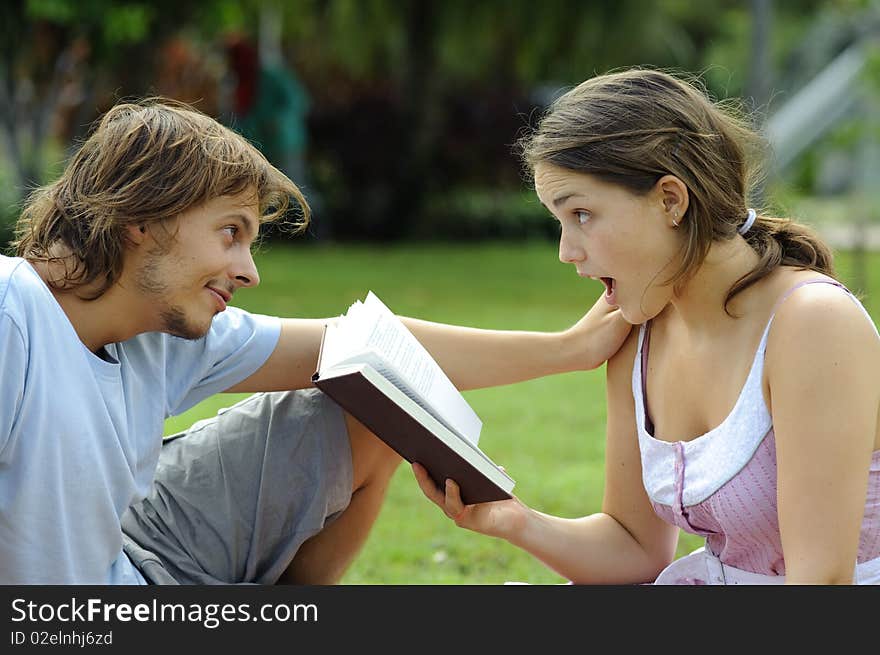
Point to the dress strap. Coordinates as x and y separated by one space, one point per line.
835 283
646 343
804 283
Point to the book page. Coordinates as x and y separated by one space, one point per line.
371 332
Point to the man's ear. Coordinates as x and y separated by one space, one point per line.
674 196
136 233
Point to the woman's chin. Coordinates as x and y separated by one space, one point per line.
634 316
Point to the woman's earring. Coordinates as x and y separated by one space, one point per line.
675 220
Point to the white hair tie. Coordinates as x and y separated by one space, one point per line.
745 227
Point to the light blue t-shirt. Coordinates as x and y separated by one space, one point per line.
80 436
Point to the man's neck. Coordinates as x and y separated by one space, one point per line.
110 318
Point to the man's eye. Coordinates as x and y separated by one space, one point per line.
232 230
582 216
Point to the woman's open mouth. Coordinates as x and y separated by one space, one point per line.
610 290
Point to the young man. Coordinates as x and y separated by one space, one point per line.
115 315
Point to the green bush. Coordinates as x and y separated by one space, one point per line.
484 214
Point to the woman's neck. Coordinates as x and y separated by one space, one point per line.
700 305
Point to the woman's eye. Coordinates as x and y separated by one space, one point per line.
231 230
582 216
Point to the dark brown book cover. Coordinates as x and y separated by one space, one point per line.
406 435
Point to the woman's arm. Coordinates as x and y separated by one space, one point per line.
474 358
822 366
625 543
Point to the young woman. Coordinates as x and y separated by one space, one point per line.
745 407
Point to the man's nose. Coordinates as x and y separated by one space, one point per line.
247 275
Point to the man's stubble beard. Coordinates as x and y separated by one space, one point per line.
174 320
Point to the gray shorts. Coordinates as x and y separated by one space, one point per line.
236 495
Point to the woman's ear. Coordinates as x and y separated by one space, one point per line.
673 194
136 233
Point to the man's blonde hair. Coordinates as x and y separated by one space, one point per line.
144 163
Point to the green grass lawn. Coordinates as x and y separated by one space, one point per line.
547 433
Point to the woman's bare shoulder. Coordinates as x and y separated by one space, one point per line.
818 318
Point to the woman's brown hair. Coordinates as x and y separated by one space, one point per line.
633 127
143 163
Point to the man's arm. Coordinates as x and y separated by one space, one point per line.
471 357
294 360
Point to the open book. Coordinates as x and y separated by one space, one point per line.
375 369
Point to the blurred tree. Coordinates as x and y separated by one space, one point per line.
47 48
61 63
427 96
412 100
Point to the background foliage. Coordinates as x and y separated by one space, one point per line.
414 105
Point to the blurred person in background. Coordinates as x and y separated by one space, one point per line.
269 107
